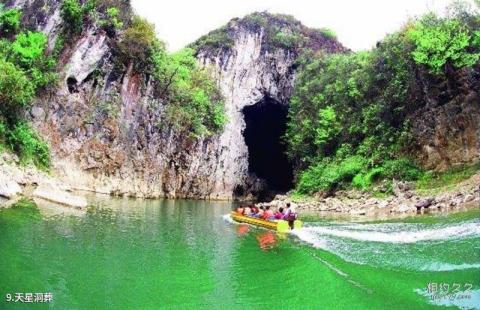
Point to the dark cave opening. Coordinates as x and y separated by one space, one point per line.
266 122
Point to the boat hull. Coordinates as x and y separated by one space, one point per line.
280 225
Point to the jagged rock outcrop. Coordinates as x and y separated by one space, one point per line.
446 132
247 72
103 124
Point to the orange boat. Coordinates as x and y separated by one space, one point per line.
280 225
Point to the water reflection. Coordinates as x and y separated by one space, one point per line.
267 240
242 229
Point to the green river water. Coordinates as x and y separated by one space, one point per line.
151 254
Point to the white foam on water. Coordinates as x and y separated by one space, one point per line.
449 267
228 219
307 236
312 234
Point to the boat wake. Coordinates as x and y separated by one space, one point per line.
398 245
388 233
228 218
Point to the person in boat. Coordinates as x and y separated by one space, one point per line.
240 210
260 212
268 214
279 214
290 215
247 211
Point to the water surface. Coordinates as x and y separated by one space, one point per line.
151 254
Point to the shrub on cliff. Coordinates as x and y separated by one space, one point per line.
9 21
112 23
28 47
440 43
216 39
358 105
28 52
16 90
194 103
24 70
329 33
139 43
72 14
27 144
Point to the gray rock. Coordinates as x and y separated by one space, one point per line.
37 113
468 198
403 208
54 194
9 188
358 212
425 203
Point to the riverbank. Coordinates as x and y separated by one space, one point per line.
407 199
17 182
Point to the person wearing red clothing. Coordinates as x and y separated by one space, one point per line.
268 214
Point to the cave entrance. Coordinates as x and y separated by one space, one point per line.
266 122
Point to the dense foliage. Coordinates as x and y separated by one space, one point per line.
72 14
348 121
193 102
9 21
280 31
111 15
25 70
442 43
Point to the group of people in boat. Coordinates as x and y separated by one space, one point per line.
266 213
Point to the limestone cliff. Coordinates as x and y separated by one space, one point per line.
103 123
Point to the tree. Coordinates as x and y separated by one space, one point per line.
28 47
441 43
9 21
72 14
16 91
139 43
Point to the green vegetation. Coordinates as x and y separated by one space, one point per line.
113 23
280 31
25 70
28 47
23 140
440 43
287 40
349 114
139 44
9 21
216 39
111 15
193 102
16 90
195 105
72 14
434 182
329 33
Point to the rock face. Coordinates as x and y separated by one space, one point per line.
447 131
246 74
104 123
59 196
9 188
